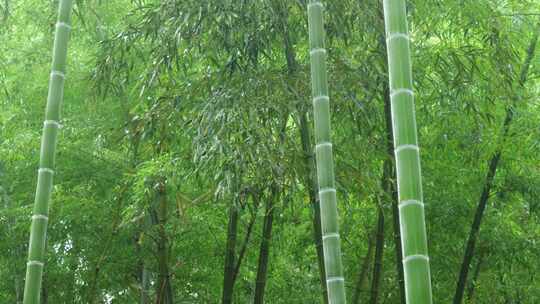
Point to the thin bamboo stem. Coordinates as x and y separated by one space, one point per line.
409 180
38 230
323 151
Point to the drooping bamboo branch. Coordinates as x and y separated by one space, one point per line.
411 206
38 230
323 151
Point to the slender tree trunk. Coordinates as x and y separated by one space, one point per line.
228 283
231 268
389 184
310 180
144 274
377 265
398 251
145 286
310 183
164 288
51 125
469 251
389 187
492 170
44 291
389 192
244 247
363 273
262 268
408 169
472 285
335 281
18 290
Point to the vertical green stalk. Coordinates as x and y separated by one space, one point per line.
323 150
411 206
36 248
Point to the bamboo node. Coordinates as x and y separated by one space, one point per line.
392 36
406 147
321 98
317 50
406 203
416 257
58 73
63 24
334 279
40 217
52 123
330 235
46 170
325 190
34 263
396 92
324 144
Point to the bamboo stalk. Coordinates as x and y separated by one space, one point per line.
378 260
323 150
264 249
38 234
228 282
409 181
363 274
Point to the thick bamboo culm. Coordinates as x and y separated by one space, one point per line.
409 181
40 217
323 151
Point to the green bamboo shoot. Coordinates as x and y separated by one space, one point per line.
38 230
411 206
323 150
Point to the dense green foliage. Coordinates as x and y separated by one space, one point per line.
177 111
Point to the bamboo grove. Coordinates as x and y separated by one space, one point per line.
269 151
